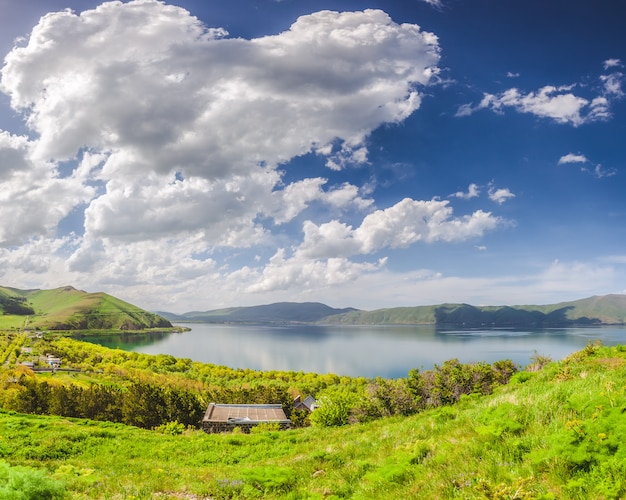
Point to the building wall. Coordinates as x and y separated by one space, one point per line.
218 427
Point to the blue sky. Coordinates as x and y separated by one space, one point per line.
195 155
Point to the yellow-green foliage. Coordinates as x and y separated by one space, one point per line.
555 433
23 483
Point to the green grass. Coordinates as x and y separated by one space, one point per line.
69 309
556 433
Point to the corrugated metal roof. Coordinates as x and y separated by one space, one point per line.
244 413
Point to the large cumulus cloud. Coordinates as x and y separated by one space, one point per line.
170 137
150 78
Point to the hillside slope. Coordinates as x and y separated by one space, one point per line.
280 312
597 310
67 308
554 433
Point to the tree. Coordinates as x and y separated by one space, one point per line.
334 407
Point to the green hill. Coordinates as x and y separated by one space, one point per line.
597 310
67 308
554 432
280 312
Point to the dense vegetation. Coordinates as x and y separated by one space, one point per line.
69 309
554 432
148 391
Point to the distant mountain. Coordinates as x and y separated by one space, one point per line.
281 312
597 310
67 308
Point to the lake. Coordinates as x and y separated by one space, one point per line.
364 350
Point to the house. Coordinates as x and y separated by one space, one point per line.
227 417
308 404
52 361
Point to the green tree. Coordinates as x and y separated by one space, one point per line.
335 406
144 406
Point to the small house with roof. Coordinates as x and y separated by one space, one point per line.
309 403
52 361
227 417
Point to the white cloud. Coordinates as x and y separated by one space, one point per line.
572 158
164 284
500 195
613 84
559 104
284 273
35 257
472 192
615 259
295 197
465 110
612 63
183 127
549 102
597 171
226 104
222 209
13 154
403 224
576 277
510 74
438 4
34 194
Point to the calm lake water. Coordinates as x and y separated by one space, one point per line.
367 351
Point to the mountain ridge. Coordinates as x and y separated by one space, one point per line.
278 312
596 310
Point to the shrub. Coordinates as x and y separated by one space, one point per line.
23 483
265 427
171 428
334 407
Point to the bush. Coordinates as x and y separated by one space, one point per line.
23 483
171 428
265 427
334 407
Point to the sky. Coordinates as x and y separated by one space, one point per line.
205 154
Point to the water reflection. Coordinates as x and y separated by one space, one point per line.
368 351
127 341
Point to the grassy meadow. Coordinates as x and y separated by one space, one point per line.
554 431
67 308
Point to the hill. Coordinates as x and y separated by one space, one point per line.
280 312
597 310
555 432
67 308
